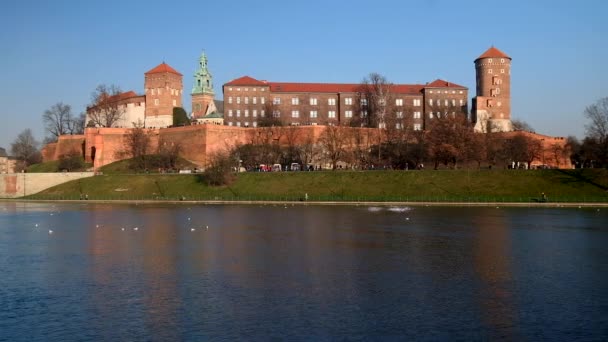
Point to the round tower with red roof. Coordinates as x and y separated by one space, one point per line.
164 89
492 105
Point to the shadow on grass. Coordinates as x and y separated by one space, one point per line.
577 176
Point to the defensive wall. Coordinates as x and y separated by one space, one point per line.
13 185
197 143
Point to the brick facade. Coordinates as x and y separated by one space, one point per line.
164 90
492 104
247 101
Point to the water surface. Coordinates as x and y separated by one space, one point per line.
301 273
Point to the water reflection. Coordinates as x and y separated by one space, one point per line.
264 272
492 262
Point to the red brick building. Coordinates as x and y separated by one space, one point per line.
492 103
248 101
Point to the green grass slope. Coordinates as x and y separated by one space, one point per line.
448 186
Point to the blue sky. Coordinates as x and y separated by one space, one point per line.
55 51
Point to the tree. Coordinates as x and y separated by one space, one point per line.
333 141
57 120
180 117
597 130
71 161
25 148
76 125
520 125
219 170
137 144
168 154
105 109
521 148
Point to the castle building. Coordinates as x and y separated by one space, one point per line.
163 91
492 103
248 101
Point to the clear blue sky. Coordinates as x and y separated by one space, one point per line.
55 51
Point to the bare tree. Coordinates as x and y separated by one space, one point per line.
521 148
334 142
105 109
137 145
57 120
598 115
520 125
77 124
25 148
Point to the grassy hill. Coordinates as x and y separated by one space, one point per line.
445 185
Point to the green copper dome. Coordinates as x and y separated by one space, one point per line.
203 81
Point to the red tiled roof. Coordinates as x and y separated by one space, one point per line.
122 96
245 81
162 67
493 52
443 84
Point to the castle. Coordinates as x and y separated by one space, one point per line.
249 101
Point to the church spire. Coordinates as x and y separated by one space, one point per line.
203 81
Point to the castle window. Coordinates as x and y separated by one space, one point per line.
255 124
399 102
502 60
313 101
246 100
262 113
489 71
199 83
398 125
230 88
156 102
460 92
416 115
276 101
238 99
262 100
499 103
313 114
417 127
238 89
246 124
238 113
348 101
490 60
400 115
348 114
276 113
416 102
254 113
445 102
295 101
238 124
331 114
461 102
363 113
246 89
453 102
254 99
430 115
295 114
229 99
230 112
502 71
364 102
331 102
230 123
382 125
246 113
174 103
153 91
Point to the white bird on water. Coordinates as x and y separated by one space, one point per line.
136 228
36 225
122 229
207 227
192 229
50 231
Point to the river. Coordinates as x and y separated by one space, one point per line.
163 272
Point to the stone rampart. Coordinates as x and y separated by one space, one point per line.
15 185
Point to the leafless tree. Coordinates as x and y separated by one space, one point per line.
105 109
521 148
25 148
520 125
597 129
57 120
136 146
334 141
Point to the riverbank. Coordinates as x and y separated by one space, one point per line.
445 186
329 203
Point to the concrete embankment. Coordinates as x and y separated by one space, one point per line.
14 185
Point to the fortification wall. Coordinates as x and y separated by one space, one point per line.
15 185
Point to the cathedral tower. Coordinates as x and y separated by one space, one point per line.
164 89
202 91
492 105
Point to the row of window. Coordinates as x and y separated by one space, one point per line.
254 100
447 102
490 71
247 89
332 102
439 114
417 127
446 92
157 102
312 114
159 91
